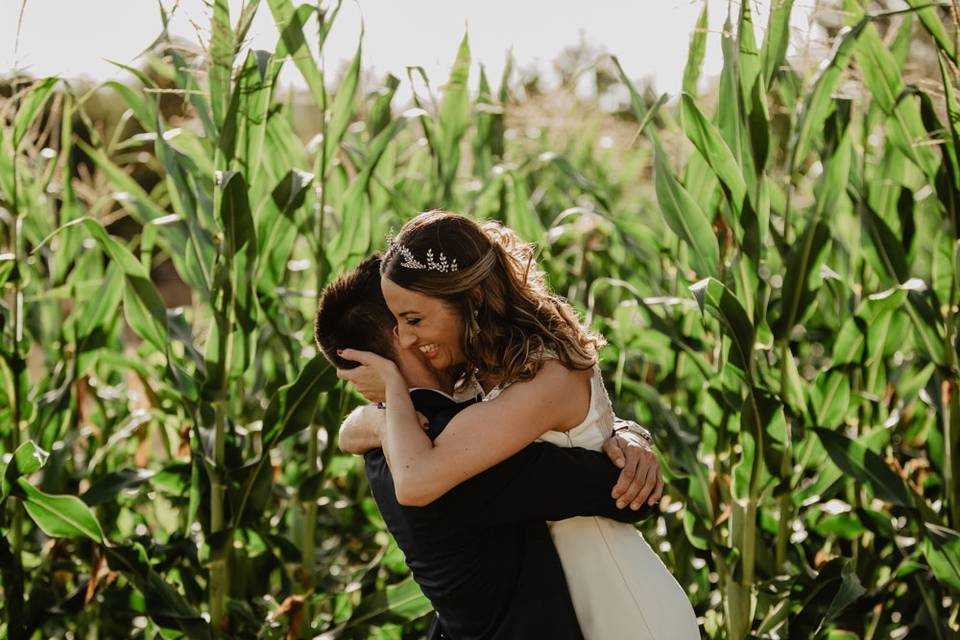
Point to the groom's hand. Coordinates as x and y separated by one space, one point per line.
641 481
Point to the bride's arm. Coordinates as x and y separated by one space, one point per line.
478 437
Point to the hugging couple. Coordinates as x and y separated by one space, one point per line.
491 450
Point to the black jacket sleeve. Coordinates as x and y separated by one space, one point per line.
541 482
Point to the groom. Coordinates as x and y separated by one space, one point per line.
482 553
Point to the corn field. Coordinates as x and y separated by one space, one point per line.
776 267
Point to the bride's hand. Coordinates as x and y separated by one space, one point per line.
373 376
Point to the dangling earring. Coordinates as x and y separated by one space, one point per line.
475 326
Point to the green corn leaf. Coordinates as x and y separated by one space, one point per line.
454 113
111 485
749 57
884 251
164 604
684 216
245 21
882 77
245 123
941 548
341 111
222 48
31 108
521 216
276 227
380 114
953 116
353 237
934 26
292 25
712 296
696 53
142 305
760 418
835 588
819 101
25 460
228 346
802 279
143 106
403 600
58 516
290 411
776 39
865 466
706 137
731 118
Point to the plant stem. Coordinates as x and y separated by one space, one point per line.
786 503
218 561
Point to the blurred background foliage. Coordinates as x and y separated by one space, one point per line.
774 263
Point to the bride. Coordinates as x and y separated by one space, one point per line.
472 299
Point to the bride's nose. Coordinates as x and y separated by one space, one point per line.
406 336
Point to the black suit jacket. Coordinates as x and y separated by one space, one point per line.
482 553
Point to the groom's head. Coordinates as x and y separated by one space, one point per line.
352 314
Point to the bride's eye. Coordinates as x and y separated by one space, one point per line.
413 321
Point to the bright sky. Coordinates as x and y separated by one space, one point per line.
71 39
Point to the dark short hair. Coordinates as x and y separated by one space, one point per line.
352 314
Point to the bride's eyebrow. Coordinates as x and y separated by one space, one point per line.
404 314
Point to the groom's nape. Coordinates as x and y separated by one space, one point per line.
352 314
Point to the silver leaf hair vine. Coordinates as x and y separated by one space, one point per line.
408 260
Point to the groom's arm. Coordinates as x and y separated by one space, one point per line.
541 482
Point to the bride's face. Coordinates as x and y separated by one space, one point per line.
425 323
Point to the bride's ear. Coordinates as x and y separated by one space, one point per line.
476 297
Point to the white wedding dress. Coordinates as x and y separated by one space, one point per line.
620 588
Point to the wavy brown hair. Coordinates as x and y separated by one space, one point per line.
510 316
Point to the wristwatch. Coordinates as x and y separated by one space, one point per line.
620 424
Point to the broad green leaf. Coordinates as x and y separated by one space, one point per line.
802 277
454 113
403 600
835 588
292 25
707 139
761 417
521 216
110 485
881 75
31 108
712 296
245 124
819 100
866 466
696 53
222 49
142 305
927 13
290 411
58 516
164 604
941 548
353 238
684 216
276 227
776 39
25 460
341 111
142 105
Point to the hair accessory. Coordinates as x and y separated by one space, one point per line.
439 263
